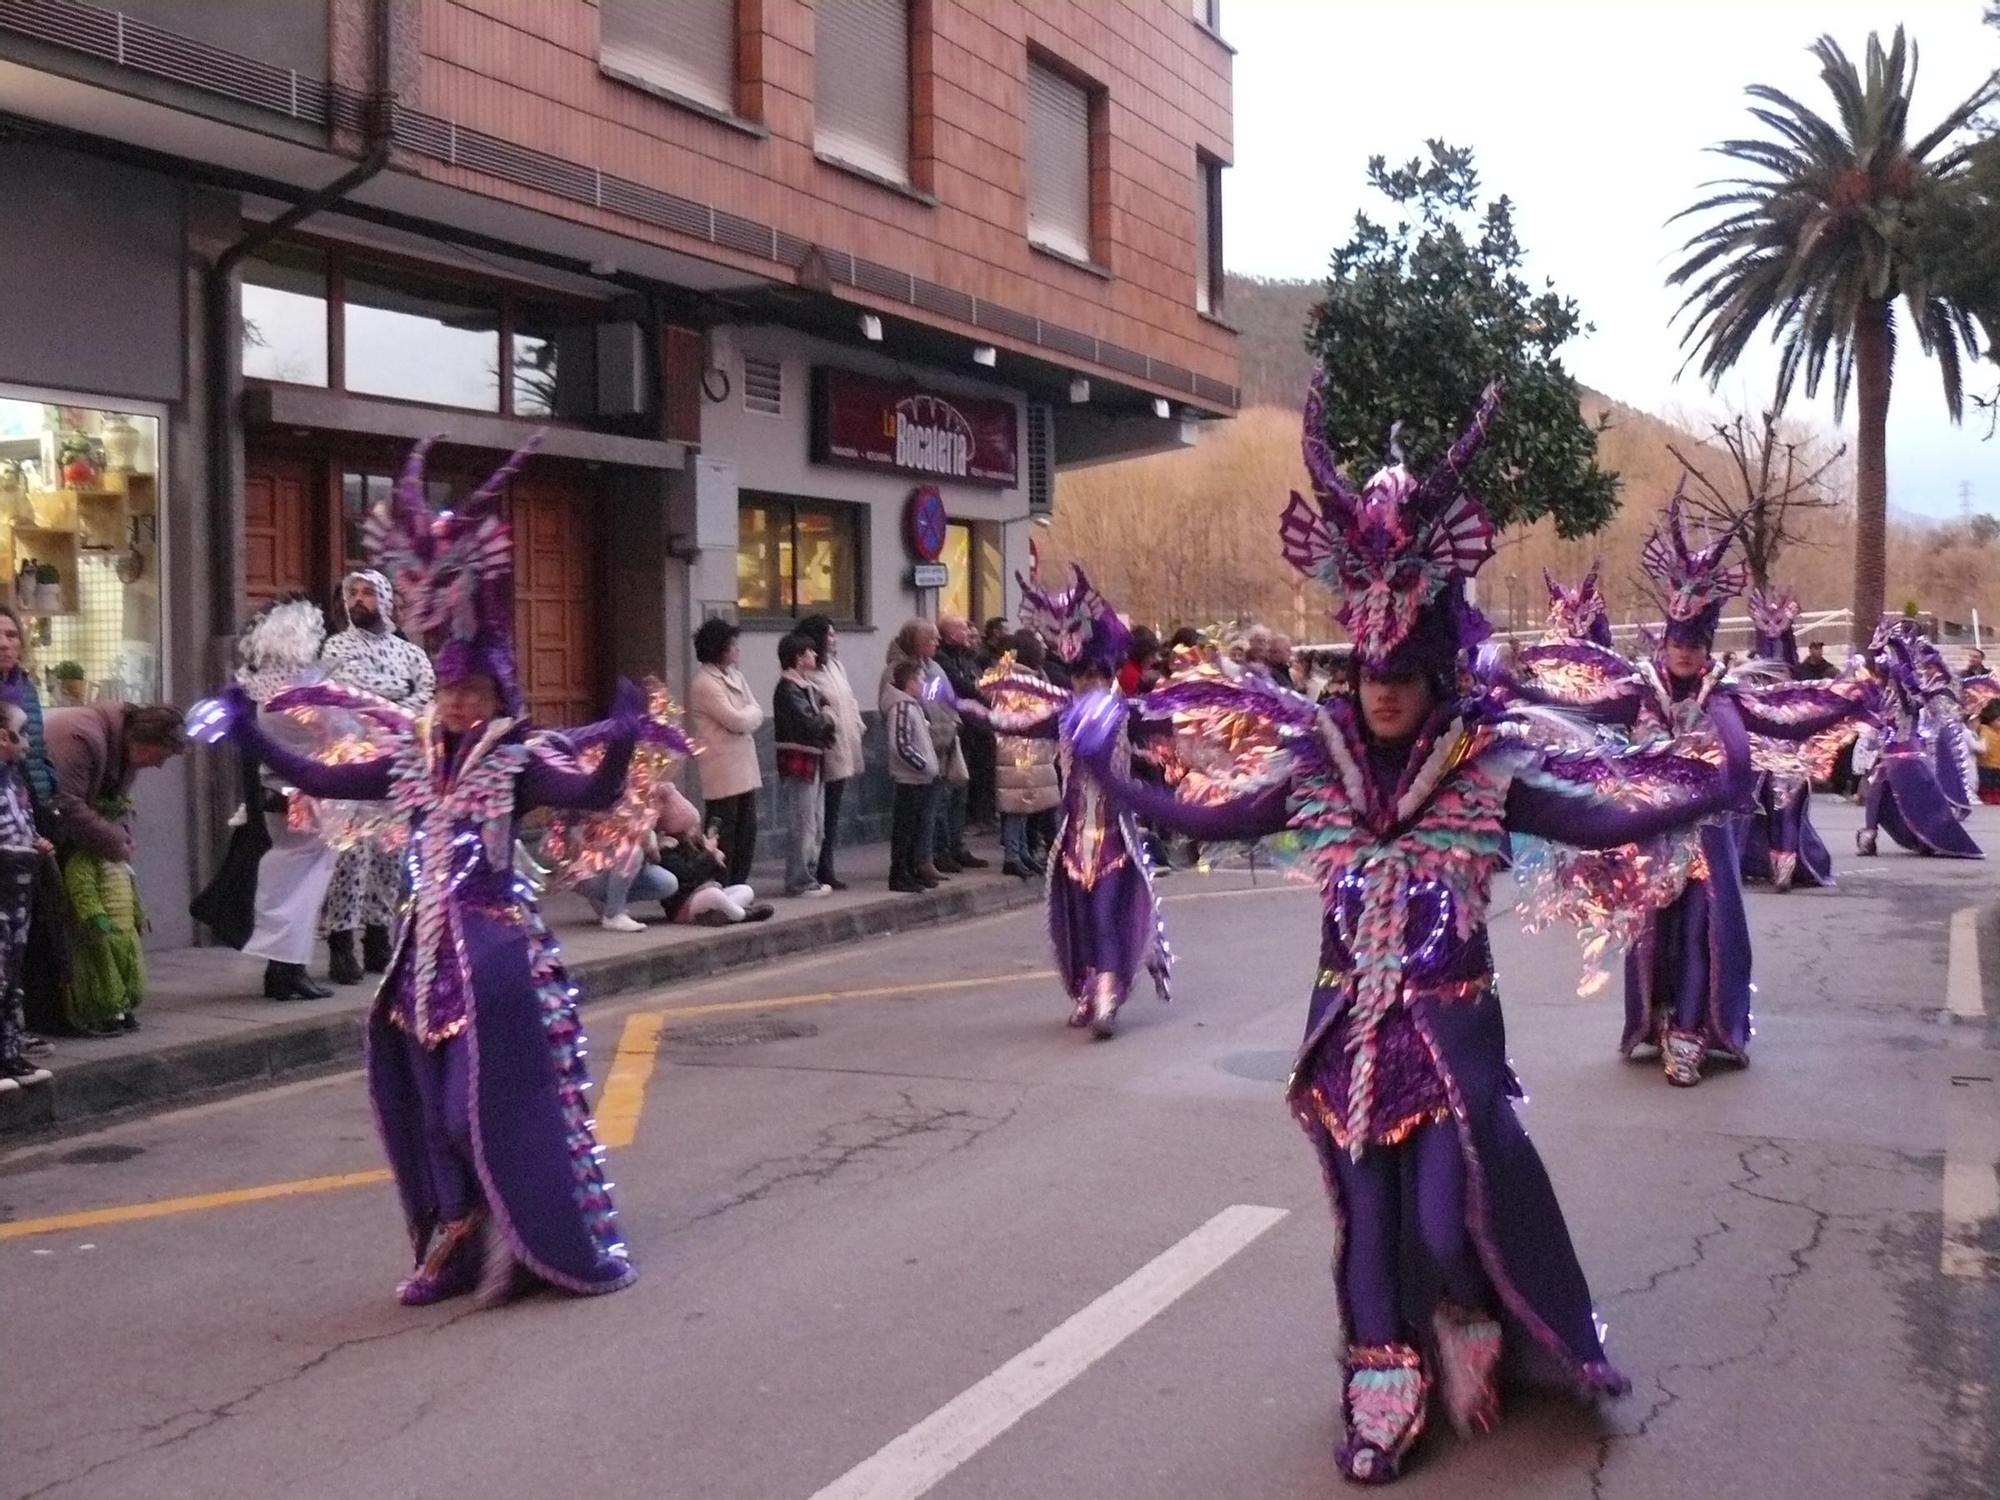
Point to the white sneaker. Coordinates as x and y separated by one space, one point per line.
621 923
817 890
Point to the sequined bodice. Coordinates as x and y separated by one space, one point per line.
1094 840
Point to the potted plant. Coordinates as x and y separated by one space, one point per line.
69 681
48 589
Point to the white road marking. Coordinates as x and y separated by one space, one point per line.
913 1463
1971 1116
1963 994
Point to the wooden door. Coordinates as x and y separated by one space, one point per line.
555 595
278 528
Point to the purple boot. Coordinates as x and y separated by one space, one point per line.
452 1267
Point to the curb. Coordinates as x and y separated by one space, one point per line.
107 1090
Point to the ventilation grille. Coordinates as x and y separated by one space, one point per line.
763 385
128 42
1041 460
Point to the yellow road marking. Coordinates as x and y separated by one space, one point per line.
165 1207
625 1090
618 1113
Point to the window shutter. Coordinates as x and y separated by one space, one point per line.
763 385
1058 162
861 73
687 47
1041 460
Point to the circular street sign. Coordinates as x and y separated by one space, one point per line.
924 523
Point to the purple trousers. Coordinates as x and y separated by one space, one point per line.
1413 1191
444 1091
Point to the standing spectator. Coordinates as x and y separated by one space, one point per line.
998 638
1028 786
17 686
96 752
970 801
913 767
917 642
726 714
1989 753
370 657
803 729
1141 668
1280 659
21 851
843 760
1815 668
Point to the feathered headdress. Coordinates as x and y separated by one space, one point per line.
452 572
278 646
1577 614
1079 621
1773 613
1397 553
1696 578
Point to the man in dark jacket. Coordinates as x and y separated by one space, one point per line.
803 729
959 655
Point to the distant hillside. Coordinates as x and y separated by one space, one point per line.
1272 318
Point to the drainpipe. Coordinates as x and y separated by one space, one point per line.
220 311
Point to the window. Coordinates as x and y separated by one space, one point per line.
284 316
1058 162
685 48
798 557
1207 234
555 361
974 587
421 340
862 82
1209 13
361 493
80 504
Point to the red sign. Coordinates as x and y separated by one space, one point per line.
925 524
879 424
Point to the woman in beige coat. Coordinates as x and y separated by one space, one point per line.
843 759
726 715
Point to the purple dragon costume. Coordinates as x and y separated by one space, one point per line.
1104 917
1402 1082
475 1054
1911 787
1778 842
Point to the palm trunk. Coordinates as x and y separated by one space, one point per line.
1871 467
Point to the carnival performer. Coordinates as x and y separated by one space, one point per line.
1687 971
1778 841
475 1054
370 657
1405 802
266 897
1104 917
1902 793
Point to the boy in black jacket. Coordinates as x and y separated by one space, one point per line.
803 729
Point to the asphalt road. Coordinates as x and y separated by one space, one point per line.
854 1213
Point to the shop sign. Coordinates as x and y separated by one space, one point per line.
880 424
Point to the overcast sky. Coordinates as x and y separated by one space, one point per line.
1594 116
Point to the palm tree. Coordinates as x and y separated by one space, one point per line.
1822 244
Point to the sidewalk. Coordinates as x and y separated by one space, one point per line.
206 1032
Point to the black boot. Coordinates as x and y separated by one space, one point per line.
291 982
375 949
342 966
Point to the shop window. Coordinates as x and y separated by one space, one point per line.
861 82
284 316
798 557
80 547
685 49
973 561
420 340
1059 111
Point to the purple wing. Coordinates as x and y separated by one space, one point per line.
1305 537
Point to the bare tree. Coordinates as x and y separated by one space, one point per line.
1771 481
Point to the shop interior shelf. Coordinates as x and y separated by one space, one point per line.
49 546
